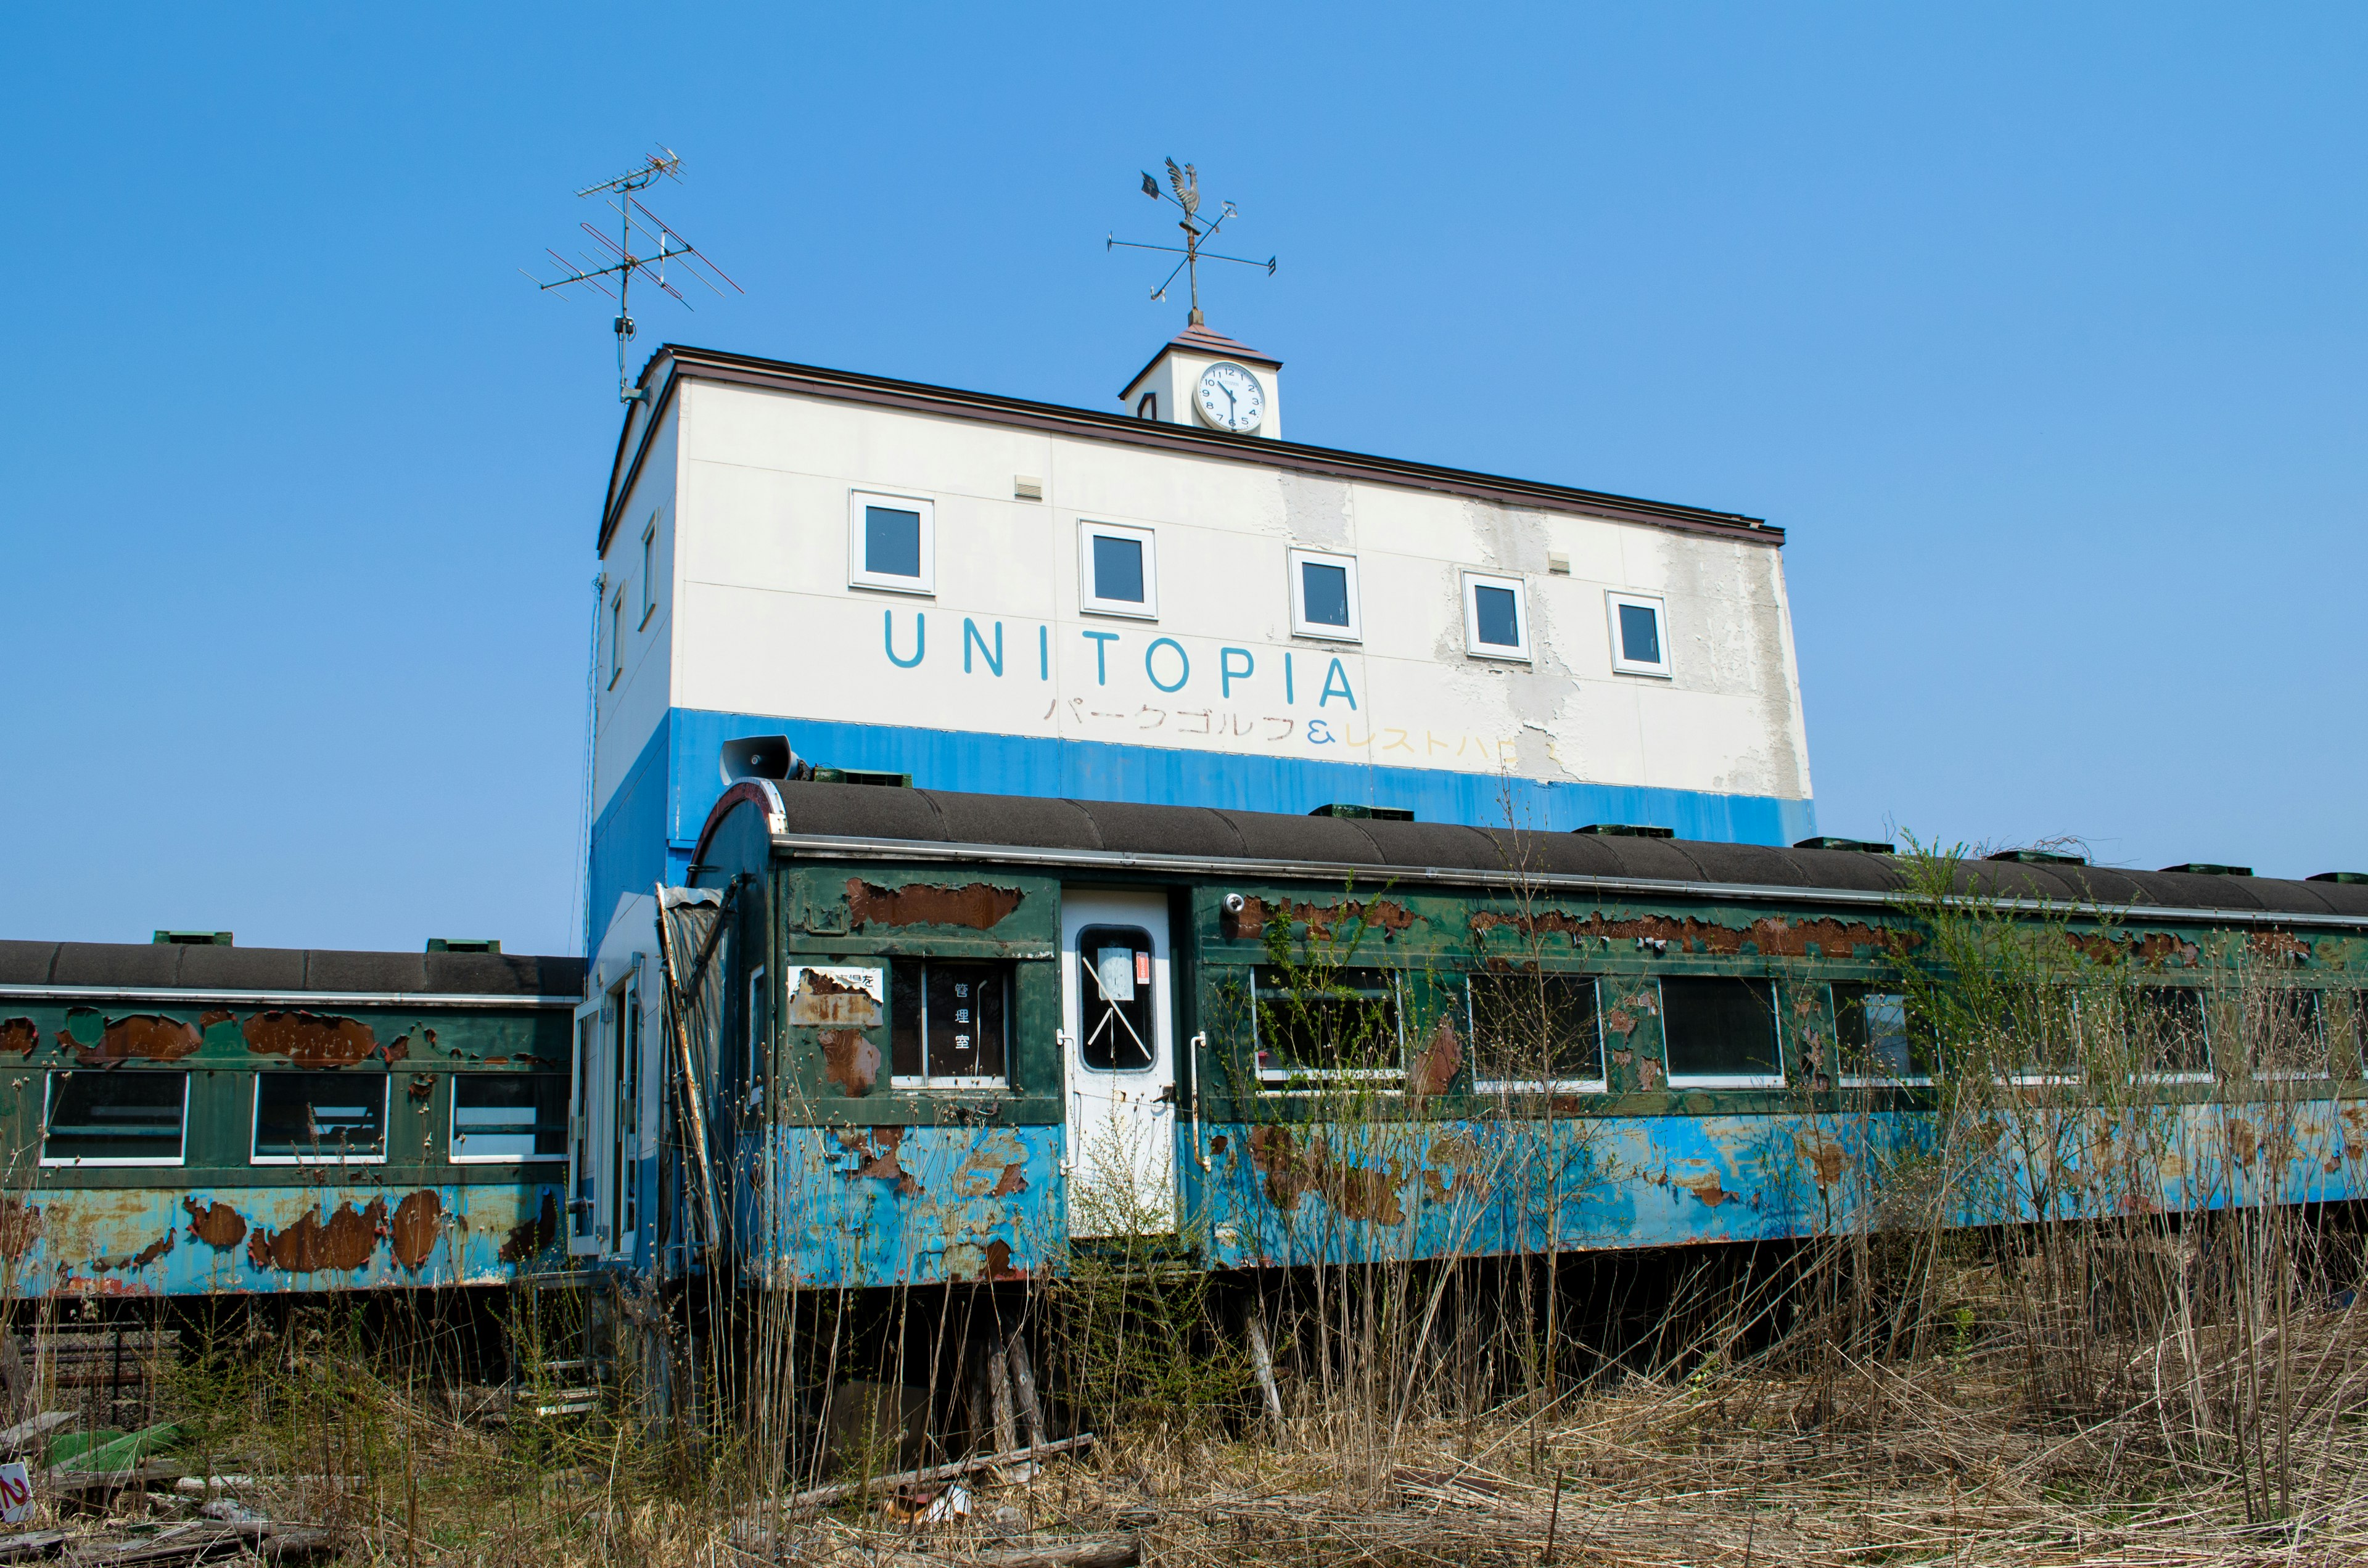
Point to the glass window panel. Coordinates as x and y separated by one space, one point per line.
1118 569
1640 634
1719 1028
2289 1029
891 541
1529 1027
509 1115
1323 592
1878 1037
1342 1020
1498 612
1115 998
948 1020
904 1021
334 1115
2166 1030
118 1115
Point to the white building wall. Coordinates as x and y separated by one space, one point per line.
627 711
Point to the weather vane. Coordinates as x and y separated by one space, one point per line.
1185 184
661 244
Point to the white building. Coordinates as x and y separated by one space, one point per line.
1166 603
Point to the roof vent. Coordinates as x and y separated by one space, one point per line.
2207 869
2038 857
861 776
191 939
1857 845
1363 813
1626 830
2349 879
465 944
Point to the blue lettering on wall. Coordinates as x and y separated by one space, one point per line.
1043 652
920 638
994 660
1183 662
1228 675
1337 672
1101 641
1319 734
1287 695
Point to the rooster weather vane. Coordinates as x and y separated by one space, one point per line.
1185 186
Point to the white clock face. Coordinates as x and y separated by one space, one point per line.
1231 397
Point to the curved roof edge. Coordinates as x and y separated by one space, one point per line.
66 968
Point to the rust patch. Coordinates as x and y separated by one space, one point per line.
999 1261
1648 1073
416 1221
850 1060
2151 948
1011 1181
879 1162
1321 919
1434 1070
528 1237
1770 934
978 905
2243 1143
308 1246
422 1085
1217 1144
218 1225
20 1227
823 1001
310 1039
20 1035
1620 1020
1823 1156
1707 1187
148 1037
2278 945
1360 1192
141 1258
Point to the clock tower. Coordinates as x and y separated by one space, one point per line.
1206 379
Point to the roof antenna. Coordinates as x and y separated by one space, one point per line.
1184 190
661 244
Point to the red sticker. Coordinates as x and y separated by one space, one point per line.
1143 969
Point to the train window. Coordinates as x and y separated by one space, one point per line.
1533 1030
2038 1024
1317 1025
1721 1032
323 1117
949 1025
509 1115
2163 1029
2287 1029
1115 997
115 1119
1881 1041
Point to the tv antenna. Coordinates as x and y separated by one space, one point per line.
1184 190
659 245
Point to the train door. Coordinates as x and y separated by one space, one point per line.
620 1214
1119 1057
584 1133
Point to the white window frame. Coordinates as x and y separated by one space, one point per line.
617 638
1319 1079
857 577
2211 1074
1303 627
1092 604
1518 652
1676 1080
49 1104
385 1122
1540 1086
1008 977
1621 662
1873 1080
454 1137
649 570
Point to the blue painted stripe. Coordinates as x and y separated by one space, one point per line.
628 854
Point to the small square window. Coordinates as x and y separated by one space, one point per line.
650 570
1640 635
1496 616
337 1116
1323 595
117 1117
949 1025
1720 1033
891 542
1118 571
509 1116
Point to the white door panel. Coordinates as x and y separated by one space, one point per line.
1118 1062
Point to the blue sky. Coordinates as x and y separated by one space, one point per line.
2040 328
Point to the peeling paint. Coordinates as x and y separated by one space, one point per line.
528 1239
308 1246
1360 1192
20 1227
19 1036
417 1219
218 1225
310 1039
1322 919
841 997
980 906
1770 935
1708 1187
878 1163
1435 1068
149 1037
850 1061
141 1258
1823 1156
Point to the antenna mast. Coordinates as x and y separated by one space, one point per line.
661 244
1184 191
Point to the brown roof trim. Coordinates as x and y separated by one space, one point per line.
1201 340
848 386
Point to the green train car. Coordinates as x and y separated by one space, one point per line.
958 1035
190 1117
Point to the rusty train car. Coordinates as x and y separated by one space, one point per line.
191 1118
953 1037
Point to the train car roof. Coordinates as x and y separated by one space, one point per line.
1105 835
164 968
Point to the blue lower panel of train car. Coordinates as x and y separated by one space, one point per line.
139 1240
858 1206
